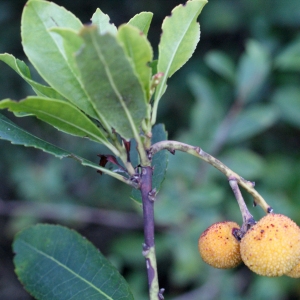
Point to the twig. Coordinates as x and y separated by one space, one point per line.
248 219
198 152
148 198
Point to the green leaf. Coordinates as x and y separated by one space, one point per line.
289 58
109 78
287 98
54 262
43 46
101 20
252 122
253 69
60 114
16 135
142 21
180 35
139 50
159 161
221 64
20 67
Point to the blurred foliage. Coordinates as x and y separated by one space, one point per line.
238 98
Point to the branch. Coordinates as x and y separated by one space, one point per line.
148 198
198 152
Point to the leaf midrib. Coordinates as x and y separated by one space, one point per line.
66 268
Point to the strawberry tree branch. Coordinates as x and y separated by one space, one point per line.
172 146
148 198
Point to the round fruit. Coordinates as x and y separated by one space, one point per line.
272 246
295 272
218 247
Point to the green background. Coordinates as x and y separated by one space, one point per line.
241 104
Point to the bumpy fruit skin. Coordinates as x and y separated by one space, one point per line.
295 272
218 247
272 246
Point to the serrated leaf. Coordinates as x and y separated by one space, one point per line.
54 262
159 162
142 21
43 46
102 21
180 35
139 51
221 64
11 132
252 122
60 114
252 71
20 67
109 78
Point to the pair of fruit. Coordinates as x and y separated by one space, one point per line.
270 248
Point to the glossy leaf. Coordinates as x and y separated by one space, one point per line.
252 122
221 64
54 262
287 98
142 21
109 78
21 68
159 162
102 21
60 114
180 35
42 46
252 71
138 49
11 132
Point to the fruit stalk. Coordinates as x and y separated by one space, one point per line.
148 198
248 219
172 146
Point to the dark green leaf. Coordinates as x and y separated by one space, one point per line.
142 21
20 67
289 58
159 162
43 46
101 20
109 78
16 135
54 262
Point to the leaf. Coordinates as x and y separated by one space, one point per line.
252 122
159 162
287 98
101 20
138 49
54 262
221 64
289 58
16 135
43 46
180 35
110 80
60 114
253 69
20 67
142 21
